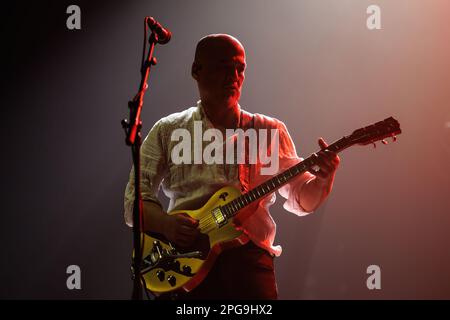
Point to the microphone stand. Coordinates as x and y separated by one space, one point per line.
134 139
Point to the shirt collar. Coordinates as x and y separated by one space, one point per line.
203 117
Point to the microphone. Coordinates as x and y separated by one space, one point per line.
162 34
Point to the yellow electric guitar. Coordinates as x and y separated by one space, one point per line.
166 268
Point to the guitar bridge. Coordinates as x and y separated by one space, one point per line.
219 217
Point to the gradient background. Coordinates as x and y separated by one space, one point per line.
312 64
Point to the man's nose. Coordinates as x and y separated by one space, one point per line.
233 74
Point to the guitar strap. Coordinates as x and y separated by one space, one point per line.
247 121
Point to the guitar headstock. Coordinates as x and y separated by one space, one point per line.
376 132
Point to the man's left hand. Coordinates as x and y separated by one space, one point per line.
328 162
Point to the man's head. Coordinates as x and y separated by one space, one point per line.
218 67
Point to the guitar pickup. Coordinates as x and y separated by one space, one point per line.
219 217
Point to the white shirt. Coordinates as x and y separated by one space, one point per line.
189 186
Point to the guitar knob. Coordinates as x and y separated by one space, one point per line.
161 275
172 280
187 269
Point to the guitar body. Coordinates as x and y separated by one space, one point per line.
172 274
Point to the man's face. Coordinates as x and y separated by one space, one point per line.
220 73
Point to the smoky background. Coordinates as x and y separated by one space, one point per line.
312 64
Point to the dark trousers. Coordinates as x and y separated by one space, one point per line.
246 272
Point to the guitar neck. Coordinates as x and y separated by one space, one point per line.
276 182
367 135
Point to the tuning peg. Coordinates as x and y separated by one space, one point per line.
394 138
384 141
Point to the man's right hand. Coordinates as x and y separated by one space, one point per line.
181 229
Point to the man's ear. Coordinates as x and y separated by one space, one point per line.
195 69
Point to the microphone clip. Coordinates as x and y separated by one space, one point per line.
160 34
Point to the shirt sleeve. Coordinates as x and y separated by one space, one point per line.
153 170
292 191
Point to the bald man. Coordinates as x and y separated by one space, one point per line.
246 272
